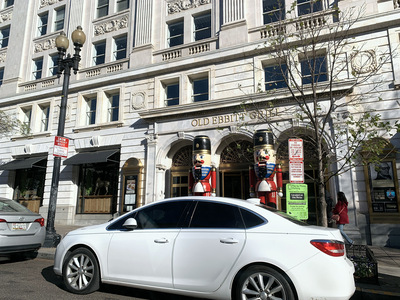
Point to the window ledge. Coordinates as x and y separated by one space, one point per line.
30 135
96 127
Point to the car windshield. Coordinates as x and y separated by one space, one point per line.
283 215
12 206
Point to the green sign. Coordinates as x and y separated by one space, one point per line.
297 200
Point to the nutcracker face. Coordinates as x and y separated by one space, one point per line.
201 165
265 160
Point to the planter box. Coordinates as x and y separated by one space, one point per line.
365 264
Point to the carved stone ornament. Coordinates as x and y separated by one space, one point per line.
112 25
3 57
139 100
176 6
44 3
5 17
363 61
45 45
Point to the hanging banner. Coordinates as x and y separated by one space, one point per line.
297 201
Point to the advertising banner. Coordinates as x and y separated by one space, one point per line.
297 200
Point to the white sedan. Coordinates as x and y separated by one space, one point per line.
208 247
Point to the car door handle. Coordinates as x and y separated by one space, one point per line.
229 241
161 241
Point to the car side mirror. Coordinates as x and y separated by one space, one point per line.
130 224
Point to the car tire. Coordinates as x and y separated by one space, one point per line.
81 273
262 282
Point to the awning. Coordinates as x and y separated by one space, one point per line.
25 163
90 157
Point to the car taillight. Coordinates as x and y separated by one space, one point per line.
40 221
332 248
2 220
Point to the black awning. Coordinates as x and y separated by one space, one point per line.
25 163
91 157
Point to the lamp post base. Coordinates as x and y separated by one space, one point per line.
52 239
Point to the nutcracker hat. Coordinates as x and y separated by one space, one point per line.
202 144
263 138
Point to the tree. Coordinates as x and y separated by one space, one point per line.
9 125
322 75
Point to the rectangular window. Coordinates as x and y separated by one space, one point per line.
113 108
120 48
275 77
44 122
202 27
37 68
102 8
59 20
273 11
53 69
200 89
172 94
8 3
175 34
42 23
26 120
4 35
180 185
314 70
122 5
91 111
99 53
305 7
1 75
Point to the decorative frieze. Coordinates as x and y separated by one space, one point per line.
45 45
44 3
3 57
176 6
363 61
112 25
5 17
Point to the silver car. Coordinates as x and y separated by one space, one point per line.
21 230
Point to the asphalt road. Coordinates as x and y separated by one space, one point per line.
34 279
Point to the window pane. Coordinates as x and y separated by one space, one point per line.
251 219
216 215
99 53
202 27
59 23
275 77
9 3
120 48
164 215
308 6
314 70
4 34
175 34
45 118
172 94
53 69
102 8
273 10
200 90
37 69
91 111
1 75
122 4
42 27
113 111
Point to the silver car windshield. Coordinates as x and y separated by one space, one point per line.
12 206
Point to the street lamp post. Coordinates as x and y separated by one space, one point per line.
64 65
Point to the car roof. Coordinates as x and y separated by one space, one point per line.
235 201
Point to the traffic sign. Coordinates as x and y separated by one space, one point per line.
296 149
296 171
60 146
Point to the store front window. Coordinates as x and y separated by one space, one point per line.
181 164
29 186
98 187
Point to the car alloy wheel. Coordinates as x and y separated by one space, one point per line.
263 283
81 272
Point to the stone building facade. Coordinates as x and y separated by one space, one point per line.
156 73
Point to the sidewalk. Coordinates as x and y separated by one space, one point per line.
388 269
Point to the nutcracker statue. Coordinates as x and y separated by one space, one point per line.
262 184
202 171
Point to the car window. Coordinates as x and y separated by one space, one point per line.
12 206
162 215
251 219
216 215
